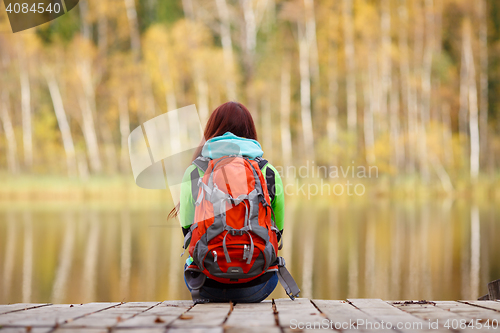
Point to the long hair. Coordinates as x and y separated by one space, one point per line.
231 117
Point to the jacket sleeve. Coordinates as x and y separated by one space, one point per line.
186 209
278 202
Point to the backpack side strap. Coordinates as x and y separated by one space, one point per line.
286 280
195 279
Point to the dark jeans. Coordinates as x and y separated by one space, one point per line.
254 294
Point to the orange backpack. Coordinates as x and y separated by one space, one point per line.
233 238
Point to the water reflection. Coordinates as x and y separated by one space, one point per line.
433 250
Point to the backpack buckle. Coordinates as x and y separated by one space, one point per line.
281 262
236 232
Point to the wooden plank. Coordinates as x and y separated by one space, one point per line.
430 312
139 330
260 329
159 316
252 315
344 316
52 315
105 330
112 316
392 317
203 316
24 330
492 305
20 307
300 312
468 311
195 330
80 330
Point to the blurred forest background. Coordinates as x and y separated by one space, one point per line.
411 86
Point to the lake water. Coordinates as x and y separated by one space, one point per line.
392 250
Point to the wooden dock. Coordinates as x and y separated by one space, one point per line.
282 315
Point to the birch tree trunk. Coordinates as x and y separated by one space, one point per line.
91 258
415 128
62 121
250 41
252 19
427 61
473 104
9 261
483 76
331 125
200 81
65 262
368 93
26 114
135 38
463 111
475 252
125 255
426 87
250 33
310 31
447 134
394 125
305 93
406 91
350 66
87 104
27 258
286 137
227 47
311 38
9 133
124 132
386 65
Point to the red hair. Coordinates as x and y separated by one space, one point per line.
231 117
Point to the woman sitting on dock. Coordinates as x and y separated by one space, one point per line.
232 212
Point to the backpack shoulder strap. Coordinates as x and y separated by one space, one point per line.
201 163
270 181
261 162
194 183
